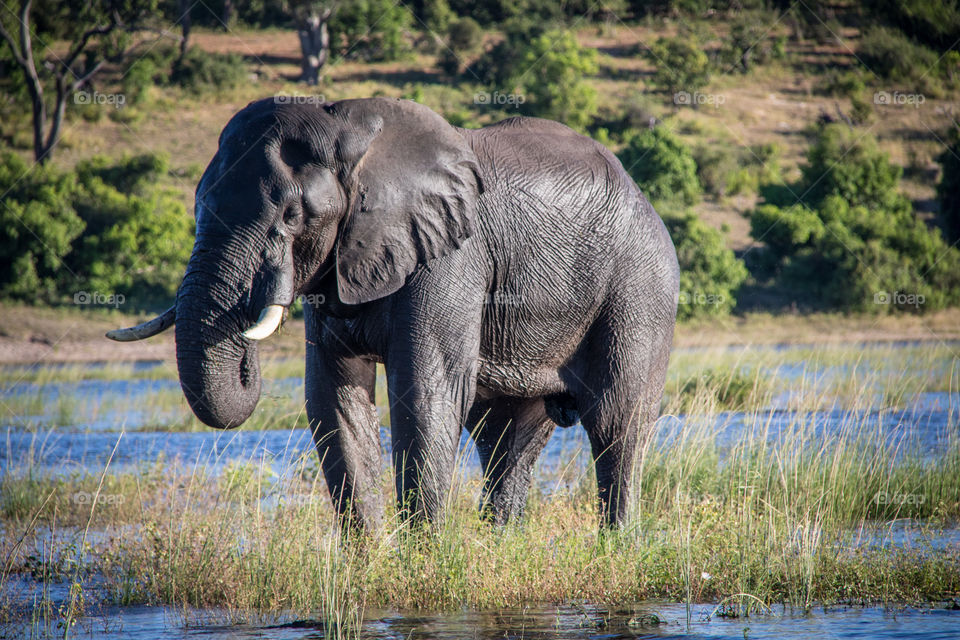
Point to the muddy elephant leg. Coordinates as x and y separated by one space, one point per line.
619 406
346 429
510 434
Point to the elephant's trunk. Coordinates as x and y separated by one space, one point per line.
219 368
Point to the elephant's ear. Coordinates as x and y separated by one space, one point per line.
415 190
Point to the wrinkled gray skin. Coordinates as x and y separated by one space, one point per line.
512 276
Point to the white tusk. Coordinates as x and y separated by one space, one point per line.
268 322
145 329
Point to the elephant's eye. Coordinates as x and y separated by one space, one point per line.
292 214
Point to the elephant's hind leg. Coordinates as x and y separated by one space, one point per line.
510 434
619 403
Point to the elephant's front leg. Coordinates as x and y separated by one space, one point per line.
346 429
431 379
428 403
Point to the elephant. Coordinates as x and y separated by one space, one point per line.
510 279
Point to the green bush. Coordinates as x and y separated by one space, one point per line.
373 30
890 54
104 227
463 37
710 273
749 43
716 167
853 241
933 22
37 228
138 237
848 164
662 166
199 71
948 189
681 66
551 70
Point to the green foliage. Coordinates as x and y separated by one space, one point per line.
37 227
199 71
662 165
710 273
936 23
436 15
464 36
948 189
103 228
890 54
853 241
550 76
492 12
749 43
138 238
373 30
681 65
848 164
716 166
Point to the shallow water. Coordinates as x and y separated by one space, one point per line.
922 429
649 620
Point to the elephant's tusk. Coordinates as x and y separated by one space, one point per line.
268 322
145 329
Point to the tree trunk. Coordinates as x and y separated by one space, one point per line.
228 14
314 45
183 11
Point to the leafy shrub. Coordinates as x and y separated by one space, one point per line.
551 69
103 227
464 34
749 44
372 30
948 189
936 23
199 71
716 166
710 273
137 237
499 66
37 228
662 166
848 164
681 65
890 54
853 242
463 37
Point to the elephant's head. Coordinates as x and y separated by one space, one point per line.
343 199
